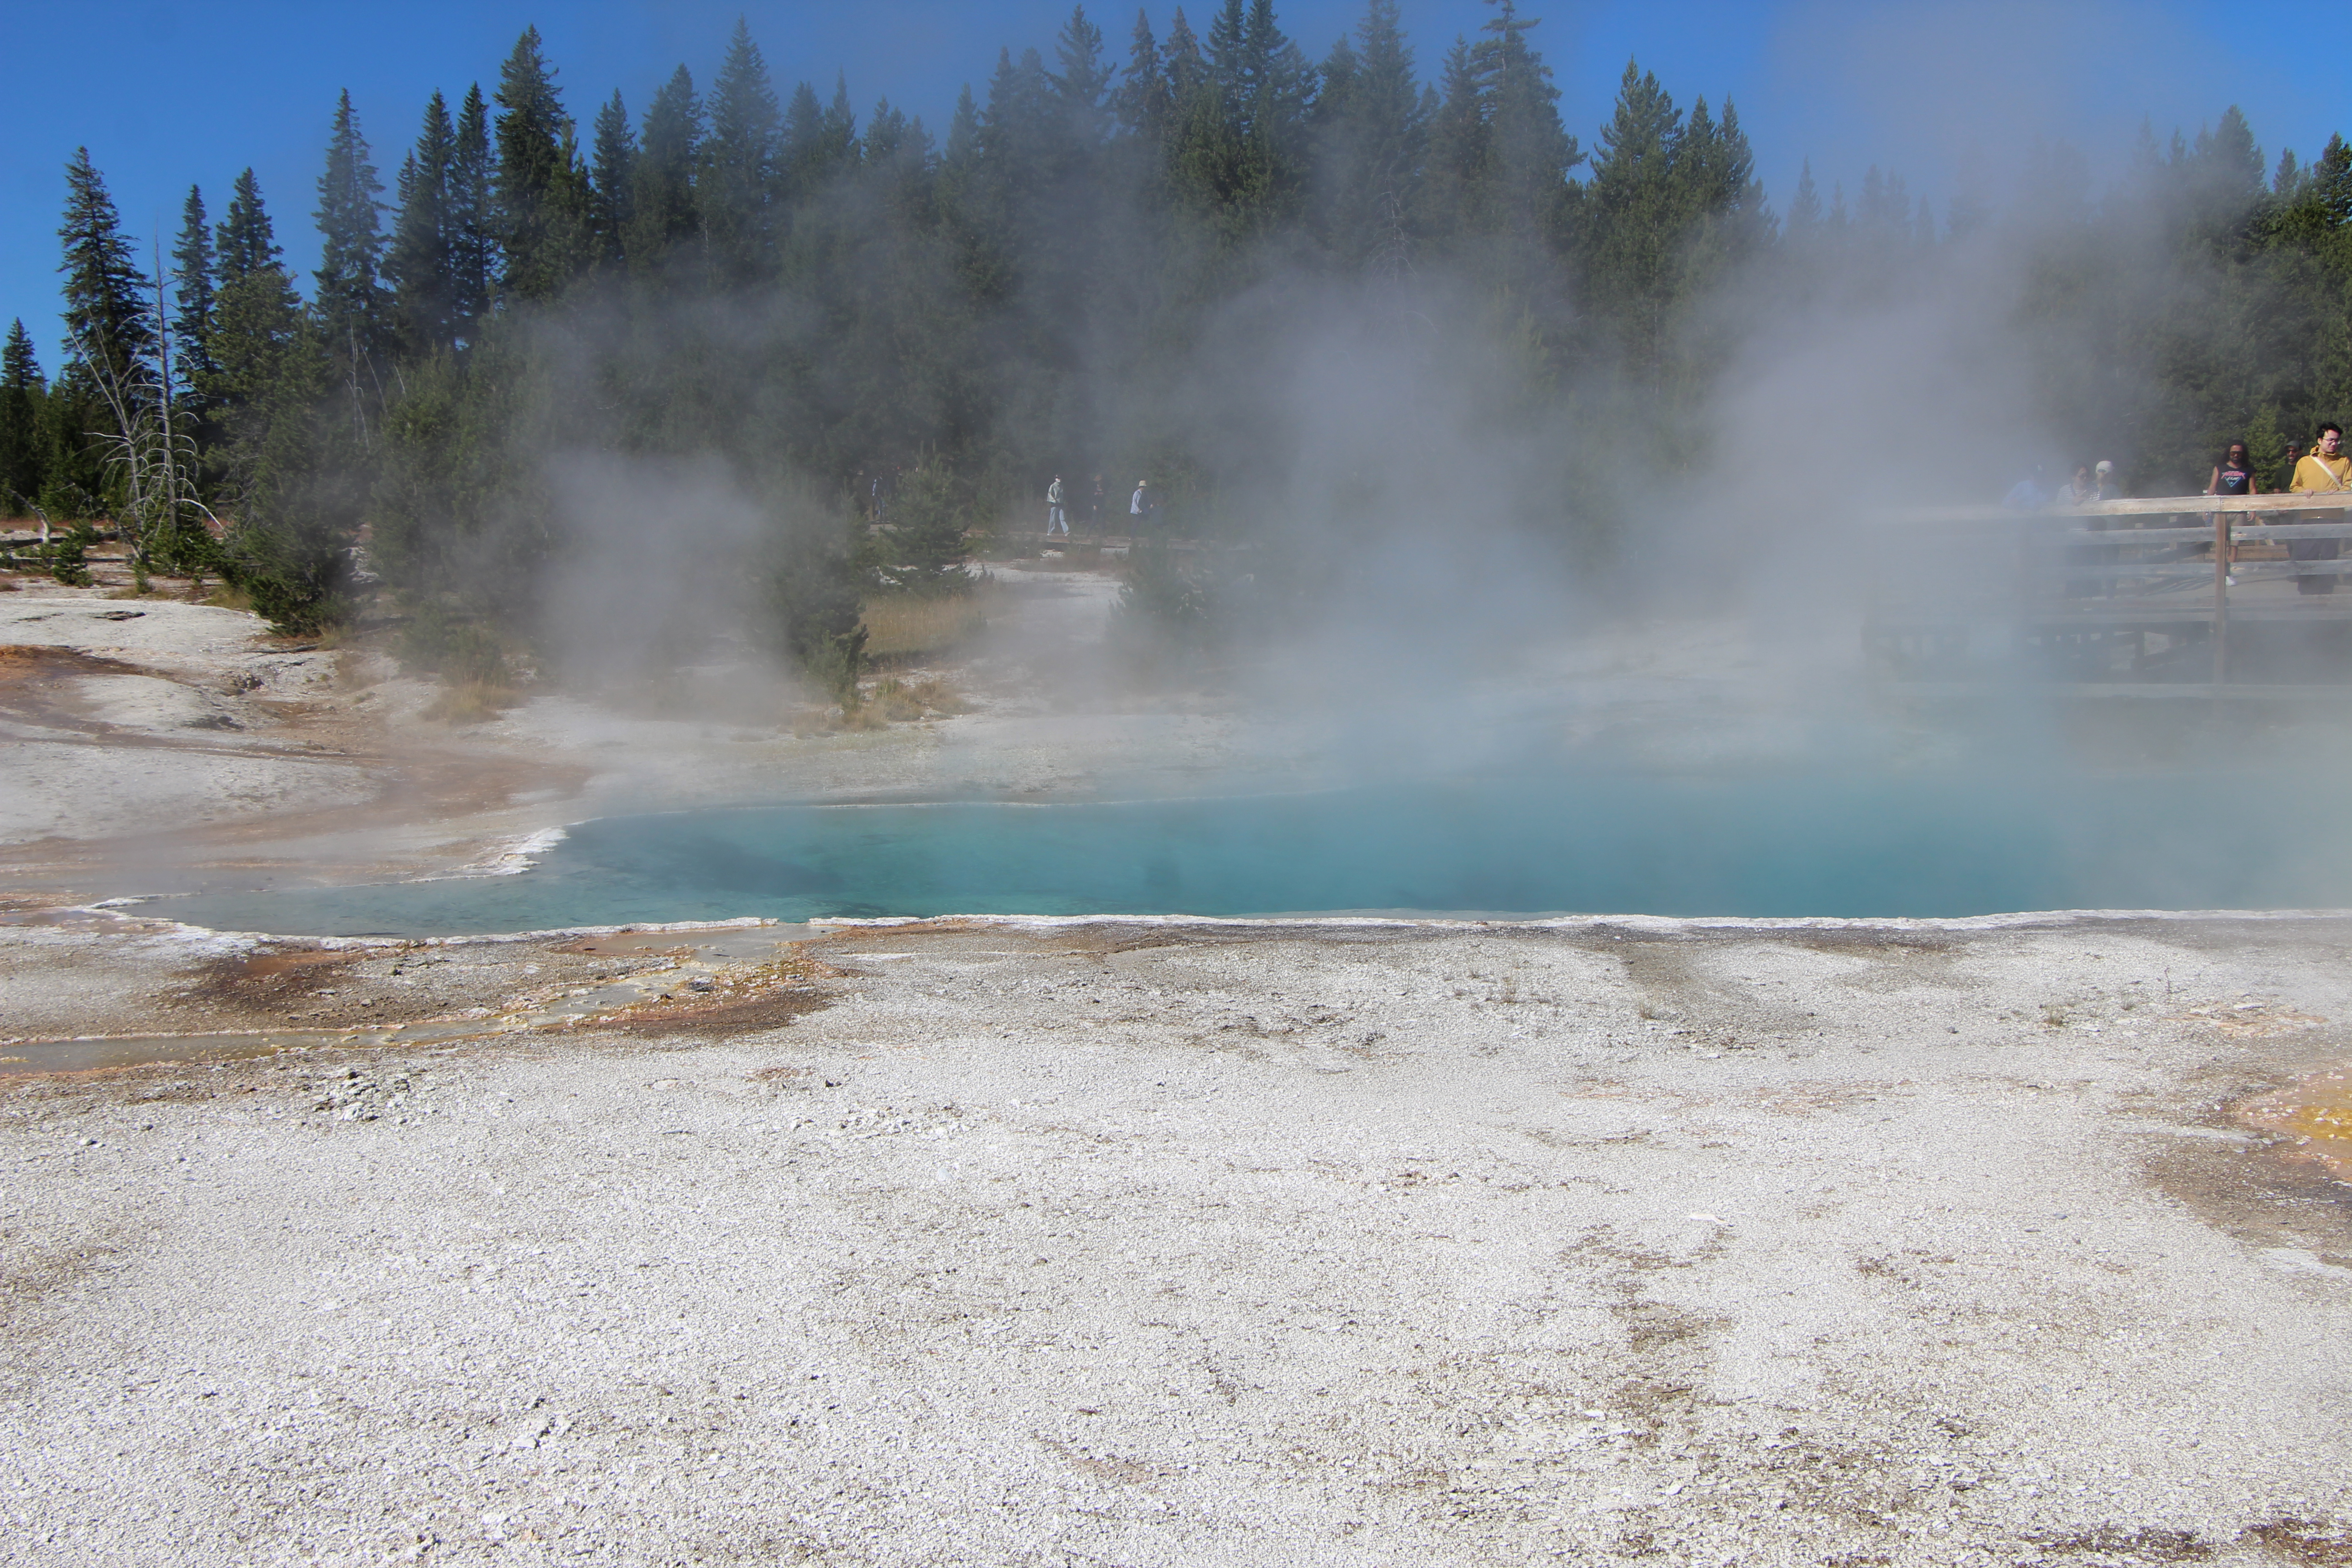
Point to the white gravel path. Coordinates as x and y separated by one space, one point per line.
1165 1247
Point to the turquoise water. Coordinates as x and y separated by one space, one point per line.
1844 844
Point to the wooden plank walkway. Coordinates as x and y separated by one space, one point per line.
2116 591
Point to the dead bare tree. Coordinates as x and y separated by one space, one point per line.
156 458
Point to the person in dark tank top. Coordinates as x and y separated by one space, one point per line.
2234 476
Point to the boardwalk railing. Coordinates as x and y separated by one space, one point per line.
2132 590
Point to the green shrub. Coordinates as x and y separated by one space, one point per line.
929 518
443 641
835 664
68 558
1171 602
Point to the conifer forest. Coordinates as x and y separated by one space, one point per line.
807 295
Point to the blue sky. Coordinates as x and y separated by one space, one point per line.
184 94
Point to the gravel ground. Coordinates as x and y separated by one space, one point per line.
1143 1244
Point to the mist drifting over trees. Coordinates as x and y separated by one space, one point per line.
1345 296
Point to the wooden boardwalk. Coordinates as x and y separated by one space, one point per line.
2174 593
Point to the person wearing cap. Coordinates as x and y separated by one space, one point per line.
2103 482
1138 505
2323 470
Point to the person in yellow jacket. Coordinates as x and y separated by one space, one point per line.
2324 470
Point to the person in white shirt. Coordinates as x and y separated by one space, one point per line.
1057 520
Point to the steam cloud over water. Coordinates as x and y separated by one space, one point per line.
1487 430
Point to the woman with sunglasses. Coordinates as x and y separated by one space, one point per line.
2234 476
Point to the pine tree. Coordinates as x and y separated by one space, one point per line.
1529 152
1392 130
1265 83
612 180
264 356
2230 150
817 143
193 286
23 457
541 190
1228 65
962 156
738 189
891 135
2287 178
1140 106
841 124
664 223
2225 173
1459 146
1805 207
108 373
1716 171
1023 150
108 308
290 488
2330 181
1239 148
420 263
474 262
1084 82
1635 218
1188 68
1970 210
247 241
349 297
1373 139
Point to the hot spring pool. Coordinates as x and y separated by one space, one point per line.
1619 844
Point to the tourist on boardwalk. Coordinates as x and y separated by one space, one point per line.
2078 489
2287 467
1057 520
2325 469
2232 476
1094 510
2028 494
1138 506
2104 486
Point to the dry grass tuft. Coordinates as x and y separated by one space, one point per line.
906 625
471 702
896 700
889 701
229 596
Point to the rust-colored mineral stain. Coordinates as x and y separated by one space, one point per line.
2317 1114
